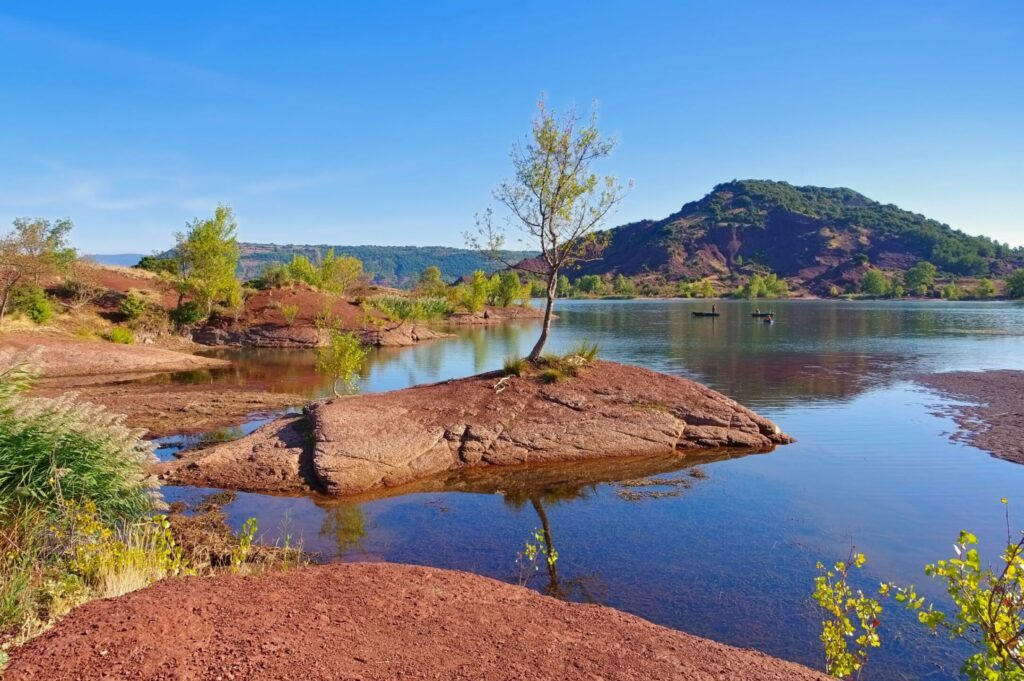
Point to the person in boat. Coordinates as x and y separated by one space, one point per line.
757 312
713 308
770 319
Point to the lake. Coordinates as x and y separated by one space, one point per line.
724 548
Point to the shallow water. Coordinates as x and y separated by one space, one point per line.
731 552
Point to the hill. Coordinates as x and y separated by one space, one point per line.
816 237
387 265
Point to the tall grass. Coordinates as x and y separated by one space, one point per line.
400 308
60 449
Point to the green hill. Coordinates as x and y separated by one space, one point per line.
817 237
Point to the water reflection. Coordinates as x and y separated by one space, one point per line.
733 558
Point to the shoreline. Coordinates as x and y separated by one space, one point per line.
994 419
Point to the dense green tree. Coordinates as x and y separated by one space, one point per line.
506 288
207 254
562 287
430 282
590 283
158 265
556 198
921 277
875 283
34 249
1015 284
623 286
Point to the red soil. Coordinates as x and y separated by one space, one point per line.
371 621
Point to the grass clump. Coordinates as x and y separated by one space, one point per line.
290 313
552 374
400 308
516 366
122 335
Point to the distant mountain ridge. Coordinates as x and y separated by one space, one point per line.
387 265
817 237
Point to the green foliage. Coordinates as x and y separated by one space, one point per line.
1015 284
61 449
34 249
207 255
849 630
32 301
875 283
121 334
431 283
952 291
590 284
342 360
623 286
290 313
187 314
984 289
243 544
951 250
921 277
275 275
132 307
764 286
473 296
403 308
337 274
562 287
506 288
695 289
159 265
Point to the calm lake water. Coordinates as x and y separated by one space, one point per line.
730 553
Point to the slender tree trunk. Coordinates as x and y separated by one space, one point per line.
546 328
3 306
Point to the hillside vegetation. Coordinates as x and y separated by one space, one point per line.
821 239
384 265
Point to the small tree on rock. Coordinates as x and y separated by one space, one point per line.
342 359
556 198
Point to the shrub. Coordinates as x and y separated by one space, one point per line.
290 313
400 308
342 360
875 283
275 275
122 335
33 302
152 263
188 313
132 307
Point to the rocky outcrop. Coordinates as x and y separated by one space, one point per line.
385 440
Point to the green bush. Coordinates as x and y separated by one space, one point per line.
132 307
290 313
188 313
122 335
342 360
33 302
1015 284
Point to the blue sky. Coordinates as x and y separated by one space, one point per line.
389 123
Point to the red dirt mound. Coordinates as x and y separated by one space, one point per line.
371 621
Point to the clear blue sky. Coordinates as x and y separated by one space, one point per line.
389 123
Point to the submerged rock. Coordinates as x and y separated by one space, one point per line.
383 440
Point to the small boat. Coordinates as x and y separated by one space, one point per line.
761 314
706 314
